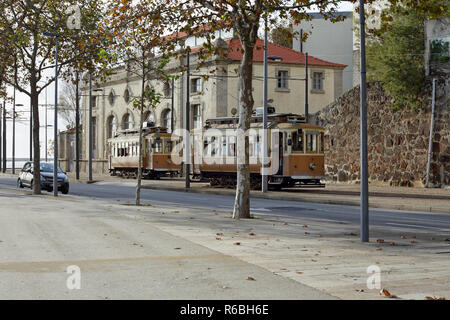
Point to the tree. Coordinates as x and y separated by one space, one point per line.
137 32
67 104
244 17
23 24
282 36
395 51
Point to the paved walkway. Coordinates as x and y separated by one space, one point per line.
165 252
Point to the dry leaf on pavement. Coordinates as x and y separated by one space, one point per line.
250 278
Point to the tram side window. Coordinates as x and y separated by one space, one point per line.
322 142
311 141
158 146
232 147
168 146
297 140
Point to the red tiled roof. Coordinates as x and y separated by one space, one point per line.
289 56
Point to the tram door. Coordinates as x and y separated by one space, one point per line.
280 153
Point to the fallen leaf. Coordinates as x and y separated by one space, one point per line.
447 240
434 298
177 248
219 234
176 211
359 290
224 287
386 293
392 244
218 239
380 240
413 241
306 232
237 243
285 223
313 260
305 226
250 278
299 272
134 244
251 234
403 237
379 249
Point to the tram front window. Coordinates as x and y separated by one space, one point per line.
297 140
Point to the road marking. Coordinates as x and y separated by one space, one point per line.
416 226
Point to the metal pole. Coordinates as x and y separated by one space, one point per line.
363 148
188 125
173 104
4 136
46 127
90 129
306 89
55 124
430 143
14 133
1 139
77 125
264 185
31 131
301 42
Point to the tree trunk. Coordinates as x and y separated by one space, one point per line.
139 177
242 200
36 145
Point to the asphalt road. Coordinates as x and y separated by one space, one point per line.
125 192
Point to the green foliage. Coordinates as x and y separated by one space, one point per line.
151 98
396 58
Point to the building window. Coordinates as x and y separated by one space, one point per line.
111 127
94 101
149 117
317 81
126 95
165 119
167 90
127 122
111 97
196 85
196 116
94 137
282 79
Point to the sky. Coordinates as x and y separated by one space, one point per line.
22 136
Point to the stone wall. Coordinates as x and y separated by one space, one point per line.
397 140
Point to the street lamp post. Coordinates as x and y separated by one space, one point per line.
55 124
4 136
363 102
91 133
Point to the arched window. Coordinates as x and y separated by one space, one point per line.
149 117
127 122
111 127
165 119
126 95
111 97
167 90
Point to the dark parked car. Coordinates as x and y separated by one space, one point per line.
26 177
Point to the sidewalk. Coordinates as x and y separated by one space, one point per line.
109 239
380 196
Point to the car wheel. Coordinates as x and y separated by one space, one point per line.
19 183
65 189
